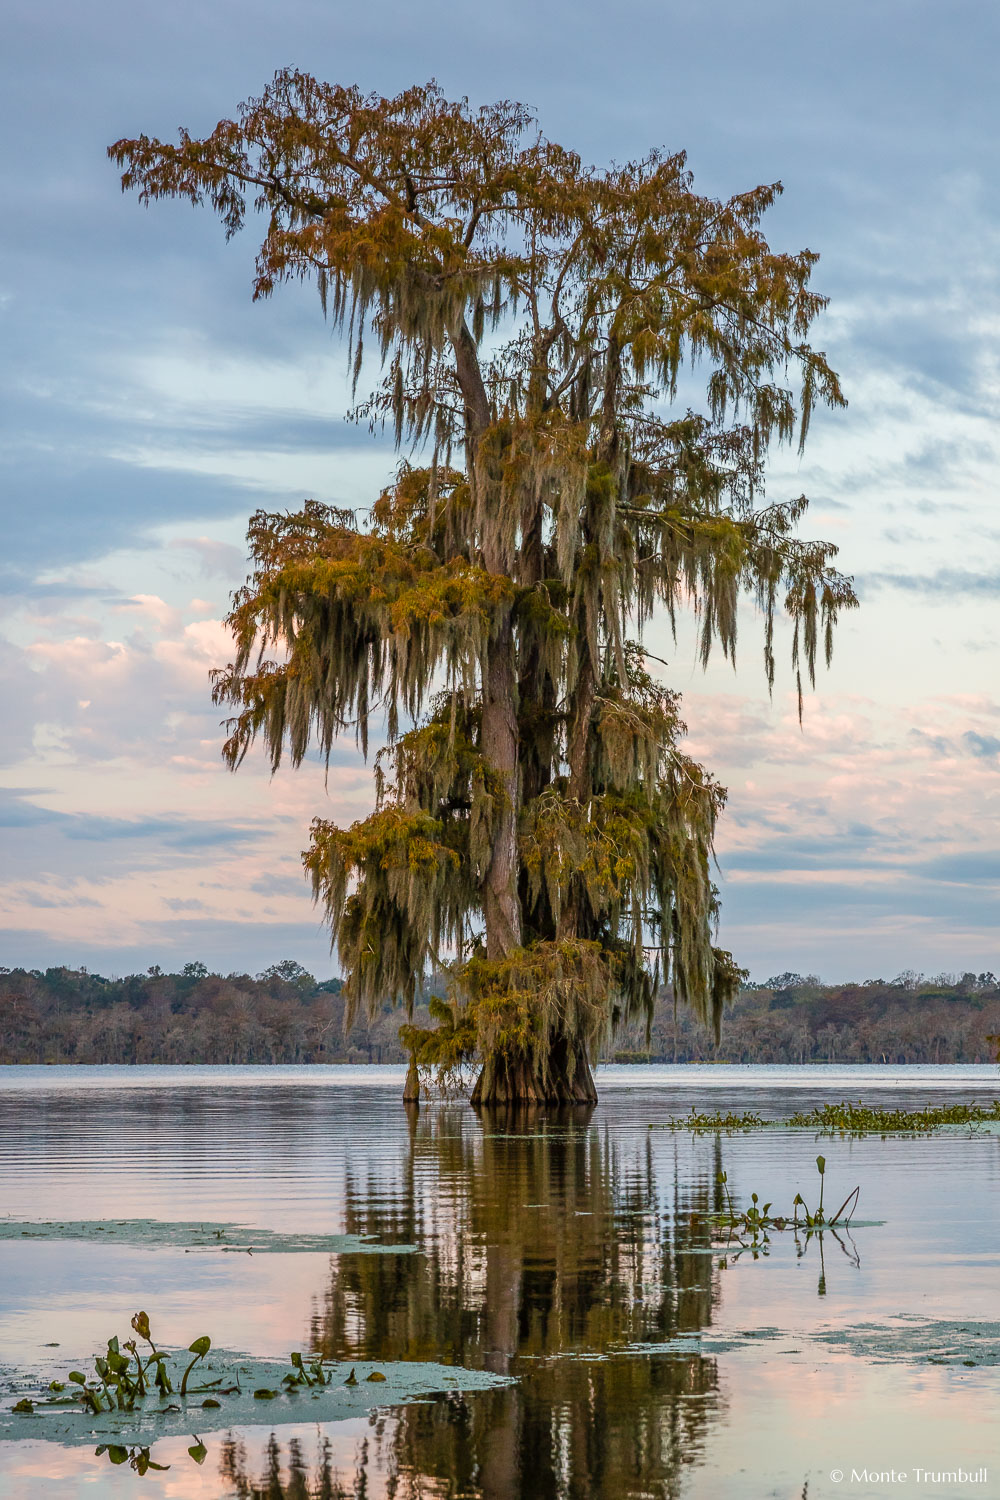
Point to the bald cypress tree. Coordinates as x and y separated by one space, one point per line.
537 827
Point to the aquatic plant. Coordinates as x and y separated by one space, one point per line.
136 1457
758 1218
821 1164
748 1230
843 1118
699 1120
862 1119
311 1374
123 1376
199 1349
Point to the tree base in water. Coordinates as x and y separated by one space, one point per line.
517 1079
411 1088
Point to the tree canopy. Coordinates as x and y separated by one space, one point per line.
537 821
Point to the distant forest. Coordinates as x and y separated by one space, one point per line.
285 1016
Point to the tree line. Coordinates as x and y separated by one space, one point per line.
791 1018
285 1015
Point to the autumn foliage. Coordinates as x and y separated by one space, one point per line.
538 824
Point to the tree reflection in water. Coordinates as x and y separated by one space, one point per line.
299 1482
547 1252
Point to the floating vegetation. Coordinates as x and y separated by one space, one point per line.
713 1121
904 1338
758 1218
909 1337
843 1118
864 1119
138 1391
748 1231
123 1376
234 1239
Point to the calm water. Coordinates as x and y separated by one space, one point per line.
571 1256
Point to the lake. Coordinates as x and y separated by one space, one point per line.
547 1301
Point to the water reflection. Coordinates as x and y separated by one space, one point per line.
562 1250
548 1253
295 1479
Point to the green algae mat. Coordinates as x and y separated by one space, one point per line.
233 1390
903 1339
168 1234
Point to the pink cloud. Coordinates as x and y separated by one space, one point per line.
152 607
123 727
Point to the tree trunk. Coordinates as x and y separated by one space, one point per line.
516 1078
579 731
536 691
411 1088
501 906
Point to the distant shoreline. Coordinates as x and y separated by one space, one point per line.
285 1017
618 1063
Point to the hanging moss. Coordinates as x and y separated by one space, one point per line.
538 827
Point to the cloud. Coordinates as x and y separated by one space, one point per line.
45 902
861 849
149 408
934 919
54 593
154 608
932 744
271 884
872 828
984 746
948 584
99 504
172 833
969 867
215 558
147 693
17 811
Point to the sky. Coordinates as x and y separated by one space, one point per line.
149 407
